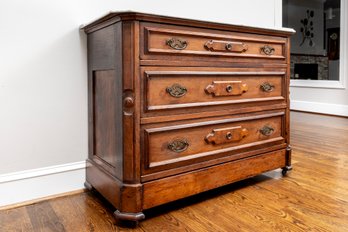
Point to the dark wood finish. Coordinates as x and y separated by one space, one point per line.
204 88
172 98
203 145
212 43
105 117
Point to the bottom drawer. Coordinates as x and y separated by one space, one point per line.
172 188
179 145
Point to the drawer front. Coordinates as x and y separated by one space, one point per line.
187 42
178 145
166 90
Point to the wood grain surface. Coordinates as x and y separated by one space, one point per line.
313 197
193 43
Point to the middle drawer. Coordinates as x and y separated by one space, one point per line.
179 91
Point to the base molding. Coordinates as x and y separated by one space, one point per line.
318 107
34 185
165 190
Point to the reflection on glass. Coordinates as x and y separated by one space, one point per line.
315 46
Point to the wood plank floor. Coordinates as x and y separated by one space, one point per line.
313 197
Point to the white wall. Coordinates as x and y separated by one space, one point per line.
43 87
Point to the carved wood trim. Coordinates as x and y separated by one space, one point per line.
226 135
225 46
215 122
213 103
226 88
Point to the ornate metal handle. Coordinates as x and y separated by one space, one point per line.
268 50
176 90
226 135
176 43
267 87
267 130
223 46
178 145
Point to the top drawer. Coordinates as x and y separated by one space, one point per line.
185 43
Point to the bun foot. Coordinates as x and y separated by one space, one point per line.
88 186
286 169
131 219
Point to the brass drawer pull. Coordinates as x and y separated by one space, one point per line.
176 43
268 50
267 130
226 88
176 90
226 135
267 87
178 145
223 46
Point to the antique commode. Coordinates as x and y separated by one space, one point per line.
178 107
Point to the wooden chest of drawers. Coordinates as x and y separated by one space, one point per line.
178 107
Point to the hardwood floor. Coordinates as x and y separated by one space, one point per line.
313 197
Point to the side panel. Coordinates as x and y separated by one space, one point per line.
105 99
105 116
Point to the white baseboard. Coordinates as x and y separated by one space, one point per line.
42 182
317 107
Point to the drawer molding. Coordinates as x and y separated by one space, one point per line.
166 146
150 74
206 123
214 103
269 40
217 88
212 44
278 140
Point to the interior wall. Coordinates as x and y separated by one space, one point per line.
318 98
43 81
296 11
